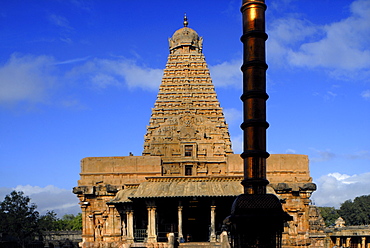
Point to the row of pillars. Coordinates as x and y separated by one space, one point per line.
349 242
151 229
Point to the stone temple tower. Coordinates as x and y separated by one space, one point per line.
183 185
187 127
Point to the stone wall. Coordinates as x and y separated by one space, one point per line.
118 170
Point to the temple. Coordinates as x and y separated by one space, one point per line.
182 187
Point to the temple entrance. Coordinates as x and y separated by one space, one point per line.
196 220
167 219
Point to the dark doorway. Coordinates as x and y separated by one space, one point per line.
188 170
196 220
167 218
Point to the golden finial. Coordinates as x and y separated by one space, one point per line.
185 20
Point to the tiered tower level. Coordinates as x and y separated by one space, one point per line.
187 127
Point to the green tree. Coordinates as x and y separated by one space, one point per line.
356 212
329 214
47 222
77 222
19 218
69 222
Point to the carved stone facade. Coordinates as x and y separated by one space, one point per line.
351 236
187 177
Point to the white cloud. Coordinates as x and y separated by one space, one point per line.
363 154
73 103
335 188
233 116
322 155
285 35
341 47
366 94
338 176
62 201
102 73
63 24
31 79
59 21
227 73
26 78
290 151
72 61
237 144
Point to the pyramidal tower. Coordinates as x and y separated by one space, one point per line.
188 177
187 127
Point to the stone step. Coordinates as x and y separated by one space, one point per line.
200 245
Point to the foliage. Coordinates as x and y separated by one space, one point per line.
47 221
69 222
18 218
329 214
21 223
356 212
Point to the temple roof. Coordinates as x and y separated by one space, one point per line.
162 187
182 187
124 195
191 187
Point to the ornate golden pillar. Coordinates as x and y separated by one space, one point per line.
254 97
257 219
363 242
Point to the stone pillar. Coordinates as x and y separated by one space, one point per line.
130 226
179 214
85 220
212 230
118 228
224 240
363 242
348 241
113 225
337 241
171 240
123 228
110 221
152 236
87 225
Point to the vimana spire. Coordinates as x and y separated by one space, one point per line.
187 123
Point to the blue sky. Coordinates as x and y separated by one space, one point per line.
79 78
